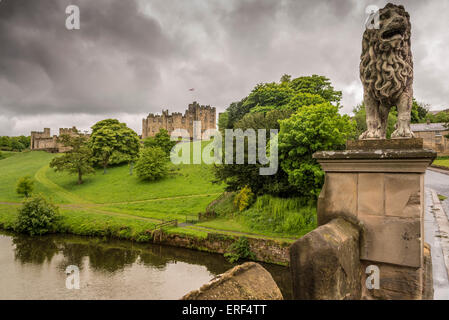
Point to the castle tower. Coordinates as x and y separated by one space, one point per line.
170 122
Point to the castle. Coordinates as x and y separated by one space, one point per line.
44 141
153 123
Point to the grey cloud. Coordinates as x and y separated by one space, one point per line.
138 56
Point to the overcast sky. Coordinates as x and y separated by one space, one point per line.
132 57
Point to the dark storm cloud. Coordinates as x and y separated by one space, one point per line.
111 62
138 56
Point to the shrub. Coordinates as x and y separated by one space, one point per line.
152 164
161 140
37 217
312 128
239 250
25 186
244 198
291 216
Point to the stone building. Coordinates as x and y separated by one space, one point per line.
153 123
44 141
433 135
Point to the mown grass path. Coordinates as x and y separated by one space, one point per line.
41 177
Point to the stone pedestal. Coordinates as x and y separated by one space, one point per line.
379 185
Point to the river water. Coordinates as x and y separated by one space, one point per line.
34 268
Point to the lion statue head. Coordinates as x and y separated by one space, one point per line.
386 67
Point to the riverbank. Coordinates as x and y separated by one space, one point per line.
118 205
136 229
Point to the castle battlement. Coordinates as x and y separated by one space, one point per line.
176 120
43 140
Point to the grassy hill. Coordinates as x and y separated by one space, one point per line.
120 204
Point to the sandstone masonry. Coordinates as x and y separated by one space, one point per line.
170 122
42 140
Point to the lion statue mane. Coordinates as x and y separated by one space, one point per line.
386 72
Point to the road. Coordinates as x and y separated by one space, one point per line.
440 183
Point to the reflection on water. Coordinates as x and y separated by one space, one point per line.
34 268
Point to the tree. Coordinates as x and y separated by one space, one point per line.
37 217
25 141
318 85
110 136
16 145
287 94
152 164
5 143
78 160
238 176
161 140
223 121
25 186
312 128
419 112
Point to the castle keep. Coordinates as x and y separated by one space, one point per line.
44 141
153 123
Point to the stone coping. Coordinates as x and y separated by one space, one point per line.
375 144
379 154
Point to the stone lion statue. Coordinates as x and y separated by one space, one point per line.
386 71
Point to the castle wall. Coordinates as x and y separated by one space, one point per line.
153 123
44 141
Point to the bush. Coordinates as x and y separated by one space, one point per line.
152 164
25 186
161 140
244 198
288 216
239 250
37 217
313 128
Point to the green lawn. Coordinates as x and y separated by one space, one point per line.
118 186
17 166
176 208
119 204
441 161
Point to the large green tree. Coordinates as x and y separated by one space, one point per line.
78 160
237 176
111 136
312 128
287 94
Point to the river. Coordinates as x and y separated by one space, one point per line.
34 268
